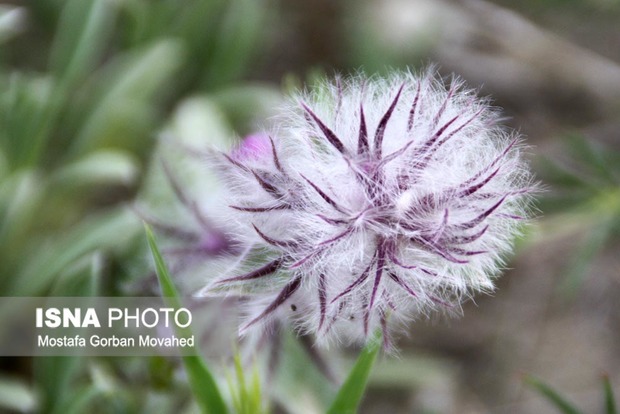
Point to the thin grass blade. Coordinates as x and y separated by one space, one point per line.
610 400
551 395
201 380
352 391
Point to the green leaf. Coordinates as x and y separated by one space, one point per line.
610 401
351 393
96 169
200 378
21 195
246 395
551 395
236 42
84 28
127 109
53 376
27 108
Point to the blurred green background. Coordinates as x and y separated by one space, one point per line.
95 93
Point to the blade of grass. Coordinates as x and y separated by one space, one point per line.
551 395
128 87
245 390
610 401
200 378
352 391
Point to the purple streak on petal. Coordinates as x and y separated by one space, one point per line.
360 173
438 250
375 190
324 196
322 299
274 242
403 181
395 154
265 270
185 200
473 223
397 262
174 183
322 246
470 238
439 301
335 316
402 284
472 189
328 133
492 164
338 98
463 252
261 209
428 272
362 139
287 291
366 320
511 216
434 149
444 105
387 342
457 130
429 143
306 258
442 227
236 163
487 195
356 283
335 222
408 226
383 123
273 191
336 237
411 120
441 130
388 299
378 274
274 154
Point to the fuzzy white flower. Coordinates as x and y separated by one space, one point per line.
374 201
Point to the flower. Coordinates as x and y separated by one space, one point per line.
377 200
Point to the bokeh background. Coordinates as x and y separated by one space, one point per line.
94 93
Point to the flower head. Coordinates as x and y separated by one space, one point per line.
376 201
